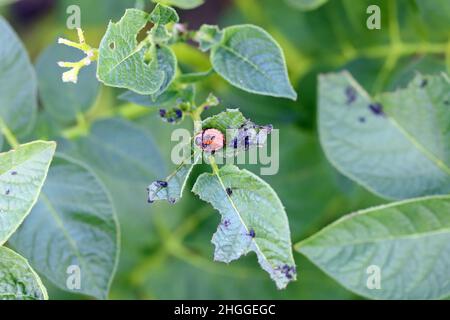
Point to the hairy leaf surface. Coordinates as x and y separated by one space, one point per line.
407 242
18 86
18 281
125 63
396 145
72 230
253 219
250 59
22 174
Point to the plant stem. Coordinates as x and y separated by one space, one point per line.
10 137
213 164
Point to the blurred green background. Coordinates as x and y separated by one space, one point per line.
166 250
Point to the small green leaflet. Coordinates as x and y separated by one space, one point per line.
74 229
182 4
250 59
18 281
160 17
397 144
125 63
208 36
22 174
253 219
306 5
18 86
406 243
171 189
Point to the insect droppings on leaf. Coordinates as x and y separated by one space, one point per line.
351 95
229 191
226 223
288 271
13 173
376 108
162 184
424 83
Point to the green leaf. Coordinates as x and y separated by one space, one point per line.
18 281
306 5
250 59
126 64
118 148
397 145
408 241
182 4
18 87
173 96
160 17
65 100
73 224
208 36
171 189
22 174
253 219
435 13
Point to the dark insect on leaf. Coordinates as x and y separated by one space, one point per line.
251 233
13 173
7 192
162 112
377 109
229 191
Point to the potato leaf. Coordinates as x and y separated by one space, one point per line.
171 189
182 4
22 174
18 86
306 5
407 243
18 281
72 227
253 219
152 68
396 145
250 59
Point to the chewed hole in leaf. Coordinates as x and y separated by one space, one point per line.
143 33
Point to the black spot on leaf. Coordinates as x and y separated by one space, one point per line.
7 192
13 173
229 191
362 119
376 108
162 184
351 94
251 233
424 83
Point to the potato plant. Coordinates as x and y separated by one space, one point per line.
74 173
